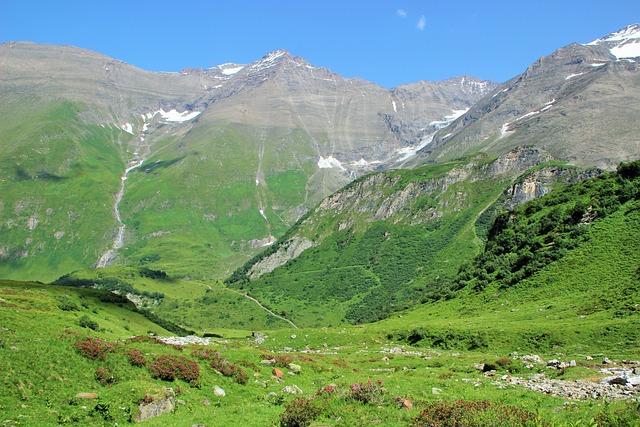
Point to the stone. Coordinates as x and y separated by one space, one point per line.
292 389
268 362
87 395
219 391
277 372
406 404
258 338
157 406
206 402
436 390
295 368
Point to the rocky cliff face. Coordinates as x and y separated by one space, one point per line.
541 181
401 198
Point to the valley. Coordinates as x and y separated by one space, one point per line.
274 244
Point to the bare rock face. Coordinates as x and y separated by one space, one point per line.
153 406
541 181
580 104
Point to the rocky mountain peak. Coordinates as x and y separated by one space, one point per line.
622 44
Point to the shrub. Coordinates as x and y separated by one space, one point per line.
371 393
105 376
222 365
628 415
136 358
168 367
480 413
93 348
299 413
86 322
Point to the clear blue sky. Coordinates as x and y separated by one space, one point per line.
387 42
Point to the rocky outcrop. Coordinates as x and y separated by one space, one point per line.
285 252
541 181
153 406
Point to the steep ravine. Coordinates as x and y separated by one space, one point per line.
141 153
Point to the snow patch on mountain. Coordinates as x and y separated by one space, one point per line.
177 117
330 162
622 44
363 163
127 127
627 50
570 76
439 124
230 69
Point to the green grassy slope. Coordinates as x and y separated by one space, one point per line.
208 307
58 177
365 266
561 272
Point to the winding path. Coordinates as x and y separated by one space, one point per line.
261 306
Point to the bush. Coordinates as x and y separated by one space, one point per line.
480 413
370 393
222 365
86 322
105 376
136 358
168 367
619 417
93 348
299 413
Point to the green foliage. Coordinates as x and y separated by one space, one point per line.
480 413
86 322
299 413
626 416
374 268
540 232
169 367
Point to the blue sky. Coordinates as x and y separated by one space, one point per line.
387 42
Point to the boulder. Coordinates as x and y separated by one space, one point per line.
277 372
219 391
153 406
292 389
87 395
295 368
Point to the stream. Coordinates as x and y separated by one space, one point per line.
112 254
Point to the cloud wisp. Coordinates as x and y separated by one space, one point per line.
401 13
422 22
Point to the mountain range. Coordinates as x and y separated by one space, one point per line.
195 172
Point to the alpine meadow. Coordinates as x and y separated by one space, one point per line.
273 244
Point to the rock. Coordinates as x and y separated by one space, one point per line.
277 372
294 336
87 396
553 363
269 362
295 368
270 396
607 361
219 391
618 381
157 406
406 404
292 389
206 402
258 338
436 390
180 402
